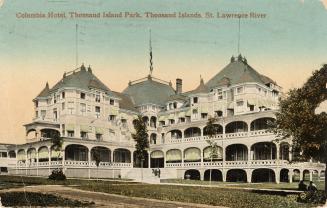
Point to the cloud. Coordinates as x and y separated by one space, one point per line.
324 3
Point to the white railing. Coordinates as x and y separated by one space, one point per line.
219 163
193 139
260 132
42 164
236 135
192 164
264 162
173 165
76 163
236 163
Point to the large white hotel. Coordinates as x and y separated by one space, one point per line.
87 114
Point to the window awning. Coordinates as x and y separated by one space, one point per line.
252 101
99 130
171 116
189 112
43 152
157 154
55 153
162 118
113 112
21 155
181 115
174 155
70 127
86 128
204 109
231 105
192 154
31 154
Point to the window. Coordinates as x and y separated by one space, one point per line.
43 114
195 100
112 102
239 103
251 107
3 154
219 113
63 106
171 121
98 137
71 107
82 108
175 105
97 109
63 95
182 120
54 99
55 114
70 133
112 117
84 135
204 115
170 106
36 103
239 90
220 94
97 98
82 95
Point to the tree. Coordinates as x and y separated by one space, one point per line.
141 138
212 130
297 119
57 143
97 159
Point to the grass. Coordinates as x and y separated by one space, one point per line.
282 185
203 195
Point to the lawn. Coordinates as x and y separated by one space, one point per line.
283 186
204 195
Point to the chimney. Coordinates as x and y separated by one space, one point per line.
179 84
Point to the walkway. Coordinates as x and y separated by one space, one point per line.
107 200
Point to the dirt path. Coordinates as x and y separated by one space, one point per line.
107 200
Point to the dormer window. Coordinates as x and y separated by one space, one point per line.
97 98
112 102
36 103
195 100
82 95
63 95
239 90
220 94
175 105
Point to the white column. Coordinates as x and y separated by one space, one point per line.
310 175
37 161
89 161
290 176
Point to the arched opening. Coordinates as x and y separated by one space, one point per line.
73 152
236 175
263 175
296 175
50 133
216 175
315 175
236 152
218 129
192 154
31 155
175 134
236 126
284 175
306 175
261 123
55 154
207 153
145 119
12 154
31 134
153 122
137 161
264 151
157 159
21 155
174 156
192 132
43 154
284 151
122 155
104 153
153 138
322 175
192 174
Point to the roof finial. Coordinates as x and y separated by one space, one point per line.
47 85
151 62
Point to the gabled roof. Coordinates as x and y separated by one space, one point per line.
81 79
44 92
177 97
202 88
238 71
148 90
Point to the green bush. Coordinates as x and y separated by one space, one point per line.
57 175
18 199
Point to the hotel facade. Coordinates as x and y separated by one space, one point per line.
91 117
